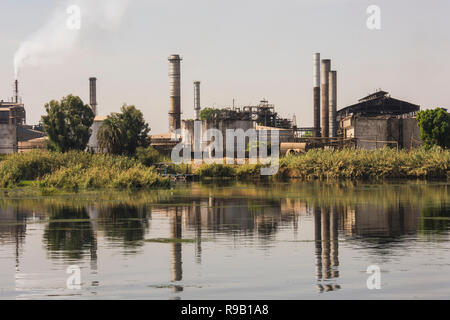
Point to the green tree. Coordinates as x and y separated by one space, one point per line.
122 133
434 127
148 156
109 135
68 124
207 113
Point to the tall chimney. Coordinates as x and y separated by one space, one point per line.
316 86
175 93
326 66
16 91
93 94
333 103
197 106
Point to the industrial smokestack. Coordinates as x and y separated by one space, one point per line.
316 86
93 94
333 103
175 93
16 91
197 107
326 66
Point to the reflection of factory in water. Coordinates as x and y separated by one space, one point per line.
258 220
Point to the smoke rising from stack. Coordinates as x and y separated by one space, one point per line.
54 40
326 66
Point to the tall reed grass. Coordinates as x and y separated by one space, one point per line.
364 164
77 170
346 164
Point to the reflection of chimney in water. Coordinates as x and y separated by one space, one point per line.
326 224
334 236
318 242
326 242
198 221
176 233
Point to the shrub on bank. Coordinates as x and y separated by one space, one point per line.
148 156
76 170
214 170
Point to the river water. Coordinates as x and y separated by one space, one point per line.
229 241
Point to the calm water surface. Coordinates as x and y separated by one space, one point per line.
274 241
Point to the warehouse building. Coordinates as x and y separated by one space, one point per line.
379 120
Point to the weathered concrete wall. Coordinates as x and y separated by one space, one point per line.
411 134
8 138
378 132
222 126
368 131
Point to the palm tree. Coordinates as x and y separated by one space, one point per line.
109 135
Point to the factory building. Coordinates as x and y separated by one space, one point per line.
261 118
11 115
93 145
374 122
379 120
14 133
8 138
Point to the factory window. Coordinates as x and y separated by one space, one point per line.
4 117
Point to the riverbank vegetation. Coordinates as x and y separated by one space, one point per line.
77 170
347 164
378 164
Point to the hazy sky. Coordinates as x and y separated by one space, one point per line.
241 49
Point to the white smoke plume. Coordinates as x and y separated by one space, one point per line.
54 40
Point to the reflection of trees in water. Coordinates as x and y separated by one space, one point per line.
70 238
13 229
377 216
13 224
125 223
72 230
435 219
